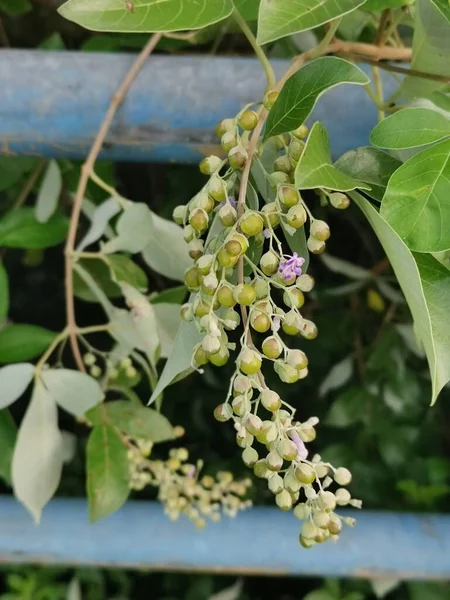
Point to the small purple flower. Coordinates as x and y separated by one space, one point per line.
266 233
302 452
291 266
230 200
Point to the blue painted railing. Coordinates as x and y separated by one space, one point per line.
52 104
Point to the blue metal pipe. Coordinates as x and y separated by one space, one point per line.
260 541
52 104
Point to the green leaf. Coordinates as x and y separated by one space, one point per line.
261 167
315 169
369 165
174 295
146 15
348 408
124 270
431 48
135 420
166 251
426 285
8 434
12 169
99 271
4 293
337 377
180 360
19 229
144 320
378 5
49 192
168 321
14 380
14 8
134 229
23 342
278 18
107 472
443 7
416 203
38 455
248 8
410 128
302 90
52 42
343 267
75 392
99 222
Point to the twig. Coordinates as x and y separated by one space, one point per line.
385 16
86 170
29 185
375 53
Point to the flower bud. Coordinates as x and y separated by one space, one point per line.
275 484
244 438
288 196
272 347
309 330
284 416
339 200
217 188
229 141
294 298
335 525
201 308
284 500
249 456
233 247
271 401
287 449
237 157
210 164
241 406
220 358
209 284
271 214
187 312
269 433
224 126
251 223
295 150
320 230
259 322
244 294
179 214
204 264
188 233
242 385
206 202
309 530
343 496
321 518
342 476
283 164
195 249
225 296
199 220
270 98
301 132
308 434
200 357
248 120
274 461
211 344
260 469
285 372
296 216
269 263
297 359
305 474
292 323
326 501
191 279
278 178
306 543
249 361
253 424
223 412
302 511
305 283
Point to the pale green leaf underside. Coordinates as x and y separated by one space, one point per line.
315 169
146 15
416 203
426 285
410 128
301 92
278 18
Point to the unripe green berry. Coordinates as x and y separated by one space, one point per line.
343 497
295 151
210 164
96 371
211 345
199 220
306 543
233 247
206 202
287 449
285 372
296 216
251 223
189 233
225 259
260 322
209 284
201 308
302 511
253 424
217 188
339 200
229 141
283 164
291 323
239 237
270 400
179 214
204 264
275 484
237 157
227 215
231 319
342 476
225 296
274 461
244 294
270 98
248 120
321 536
326 501
309 330
200 357
269 263
249 361
289 196
271 214
335 525
278 178
301 132
223 412
297 359
308 434
320 230
241 406
195 249
309 530
290 483
224 126
272 347
294 298
242 385
305 474
187 312
305 283
260 469
284 500
89 359
321 518
191 279
261 288
219 359
249 456
315 246
268 434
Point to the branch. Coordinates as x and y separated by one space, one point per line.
86 171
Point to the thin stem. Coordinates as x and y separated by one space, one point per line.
29 185
86 171
378 92
108 189
58 339
326 40
261 55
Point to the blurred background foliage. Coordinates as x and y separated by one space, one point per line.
368 380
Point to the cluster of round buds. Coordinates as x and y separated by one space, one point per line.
113 369
181 488
240 270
